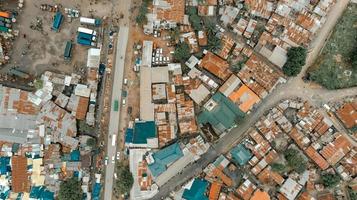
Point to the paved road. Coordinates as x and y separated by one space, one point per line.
295 87
114 115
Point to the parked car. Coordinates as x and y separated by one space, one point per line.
113 159
118 155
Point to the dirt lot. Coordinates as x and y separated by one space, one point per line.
44 51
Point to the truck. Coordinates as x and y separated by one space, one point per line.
87 36
57 21
90 21
85 42
68 50
87 30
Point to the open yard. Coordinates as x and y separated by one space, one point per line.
333 69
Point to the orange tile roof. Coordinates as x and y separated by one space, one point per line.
259 76
260 195
246 190
144 178
226 180
316 157
214 191
215 65
326 196
82 108
245 98
335 151
267 176
175 12
20 182
22 105
350 162
227 44
298 138
305 196
202 38
348 114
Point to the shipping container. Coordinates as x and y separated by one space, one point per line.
57 21
86 36
85 42
87 30
68 50
90 21
18 73
5 14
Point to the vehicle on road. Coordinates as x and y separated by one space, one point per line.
116 105
114 139
113 159
106 160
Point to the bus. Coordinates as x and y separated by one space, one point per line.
114 140
116 105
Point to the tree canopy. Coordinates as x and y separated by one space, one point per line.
91 142
182 52
330 180
295 160
143 10
125 180
278 167
194 19
296 60
70 189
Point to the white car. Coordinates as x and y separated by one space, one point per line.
115 175
124 102
113 159
118 155
125 81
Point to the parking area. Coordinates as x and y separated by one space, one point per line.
40 47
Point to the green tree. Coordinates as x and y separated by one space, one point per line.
330 180
296 60
38 83
70 189
182 52
91 142
353 58
214 43
295 160
175 34
141 17
125 180
194 19
278 167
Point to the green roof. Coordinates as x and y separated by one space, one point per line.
223 115
197 190
164 157
240 154
144 131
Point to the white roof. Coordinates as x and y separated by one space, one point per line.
146 105
93 59
147 53
82 90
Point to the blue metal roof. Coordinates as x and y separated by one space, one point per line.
41 193
129 135
240 154
96 191
57 21
4 165
197 190
75 155
164 157
144 131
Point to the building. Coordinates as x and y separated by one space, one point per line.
220 113
215 65
159 161
195 190
290 189
240 154
229 14
348 114
144 134
260 195
93 58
